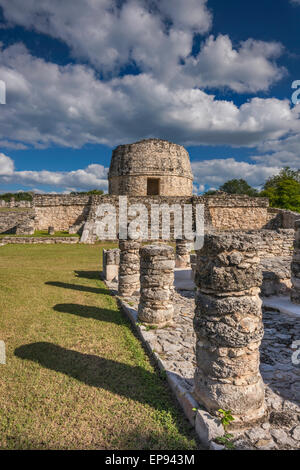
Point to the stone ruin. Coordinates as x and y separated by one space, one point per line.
151 167
209 342
295 293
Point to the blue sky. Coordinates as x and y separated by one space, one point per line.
83 76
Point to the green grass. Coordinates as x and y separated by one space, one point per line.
76 376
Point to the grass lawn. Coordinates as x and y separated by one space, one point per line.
76 376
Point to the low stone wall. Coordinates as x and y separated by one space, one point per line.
274 243
221 212
17 220
281 218
39 240
295 293
276 276
13 203
232 212
60 211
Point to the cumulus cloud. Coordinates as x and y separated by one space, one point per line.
213 173
155 35
168 97
6 165
92 177
247 69
69 106
110 36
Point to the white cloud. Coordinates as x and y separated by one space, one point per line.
110 38
6 165
69 106
215 172
247 69
92 177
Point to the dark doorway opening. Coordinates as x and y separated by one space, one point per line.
152 187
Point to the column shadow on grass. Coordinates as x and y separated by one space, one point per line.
132 382
89 274
64 285
102 314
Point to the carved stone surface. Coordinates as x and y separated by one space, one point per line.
229 328
157 285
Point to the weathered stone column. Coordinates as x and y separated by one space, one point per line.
51 230
111 261
157 285
183 250
295 293
229 328
129 268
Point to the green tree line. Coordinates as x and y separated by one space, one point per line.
283 190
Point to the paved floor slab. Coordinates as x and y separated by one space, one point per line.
282 304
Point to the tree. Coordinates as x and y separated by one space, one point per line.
283 190
238 186
21 196
285 174
98 192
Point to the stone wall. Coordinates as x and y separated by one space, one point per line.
136 185
13 219
275 243
221 212
231 212
280 218
38 240
276 276
14 203
60 211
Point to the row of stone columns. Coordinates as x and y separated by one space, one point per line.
228 315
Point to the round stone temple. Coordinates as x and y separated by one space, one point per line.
151 167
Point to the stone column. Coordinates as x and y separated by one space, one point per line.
157 285
295 293
51 230
183 249
129 268
111 261
229 328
